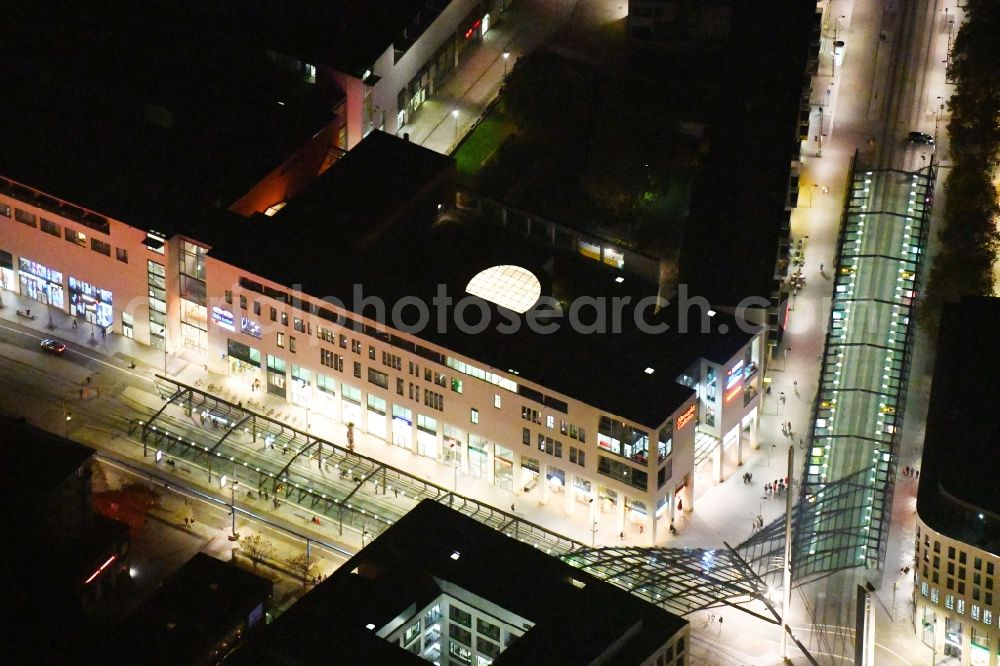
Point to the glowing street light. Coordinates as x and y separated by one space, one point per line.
454 114
506 56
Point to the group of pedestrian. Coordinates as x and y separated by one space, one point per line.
786 429
776 487
748 478
911 472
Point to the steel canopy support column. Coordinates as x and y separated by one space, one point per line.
786 570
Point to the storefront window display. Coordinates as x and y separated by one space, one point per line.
301 386
427 442
402 426
376 416
453 443
478 456
42 283
503 467
91 303
350 402
244 361
7 280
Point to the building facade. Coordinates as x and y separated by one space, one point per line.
489 424
389 91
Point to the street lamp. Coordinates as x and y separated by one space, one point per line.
454 114
232 506
506 55
67 416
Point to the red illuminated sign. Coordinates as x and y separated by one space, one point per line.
688 414
102 568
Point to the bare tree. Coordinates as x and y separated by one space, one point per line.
256 548
300 565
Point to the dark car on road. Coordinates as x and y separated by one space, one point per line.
921 137
53 346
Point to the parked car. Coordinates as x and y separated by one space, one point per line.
921 137
53 346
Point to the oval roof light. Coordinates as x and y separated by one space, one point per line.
512 287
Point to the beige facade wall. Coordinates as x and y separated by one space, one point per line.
956 594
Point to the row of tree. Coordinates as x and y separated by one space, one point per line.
969 240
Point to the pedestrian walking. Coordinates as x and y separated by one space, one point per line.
768 390
821 268
622 535
781 396
642 528
720 624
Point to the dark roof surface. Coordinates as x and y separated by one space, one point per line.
345 229
34 462
143 113
571 625
189 614
958 477
738 206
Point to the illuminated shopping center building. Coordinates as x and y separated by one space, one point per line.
608 424
957 551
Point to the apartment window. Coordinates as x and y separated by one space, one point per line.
550 422
100 246
343 341
121 254
949 601
960 607
978 563
989 568
24 217
951 552
281 339
4 210
284 319
961 557
371 352
75 237
923 588
291 344
581 458
989 598
961 587
474 415
525 436
937 546
975 611
961 573
951 568
227 295
356 346
496 400
950 584
50 227
399 385
243 302
357 369
456 385
378 378
298 325
273 314
987 616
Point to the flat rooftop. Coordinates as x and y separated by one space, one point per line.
403 569
140 112
372 220
958 475
190 614
34 462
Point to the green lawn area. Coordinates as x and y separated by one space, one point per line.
480 145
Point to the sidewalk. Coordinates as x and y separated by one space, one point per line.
475 83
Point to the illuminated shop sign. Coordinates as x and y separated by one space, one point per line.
90 302
250 327
731 393
38 270
223 318
688 414
734 375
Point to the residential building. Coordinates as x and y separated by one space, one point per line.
410 599
957 549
